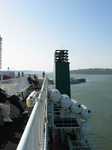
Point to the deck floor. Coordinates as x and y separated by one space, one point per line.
10 133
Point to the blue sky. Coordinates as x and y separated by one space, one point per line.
33 29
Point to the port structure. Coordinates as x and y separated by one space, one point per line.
0 52
62 74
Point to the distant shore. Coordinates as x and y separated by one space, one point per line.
93 71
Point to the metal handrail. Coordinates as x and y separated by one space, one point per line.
34 133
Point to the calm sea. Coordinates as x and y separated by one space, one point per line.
96 94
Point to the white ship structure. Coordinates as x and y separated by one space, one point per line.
56 122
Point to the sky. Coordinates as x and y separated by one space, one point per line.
33 29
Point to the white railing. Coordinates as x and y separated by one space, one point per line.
34 134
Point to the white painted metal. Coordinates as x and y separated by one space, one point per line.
34 133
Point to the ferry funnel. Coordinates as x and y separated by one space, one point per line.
62 73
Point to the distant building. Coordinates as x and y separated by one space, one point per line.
0 52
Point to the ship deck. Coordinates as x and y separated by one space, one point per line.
11 132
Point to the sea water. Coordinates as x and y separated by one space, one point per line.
96 94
